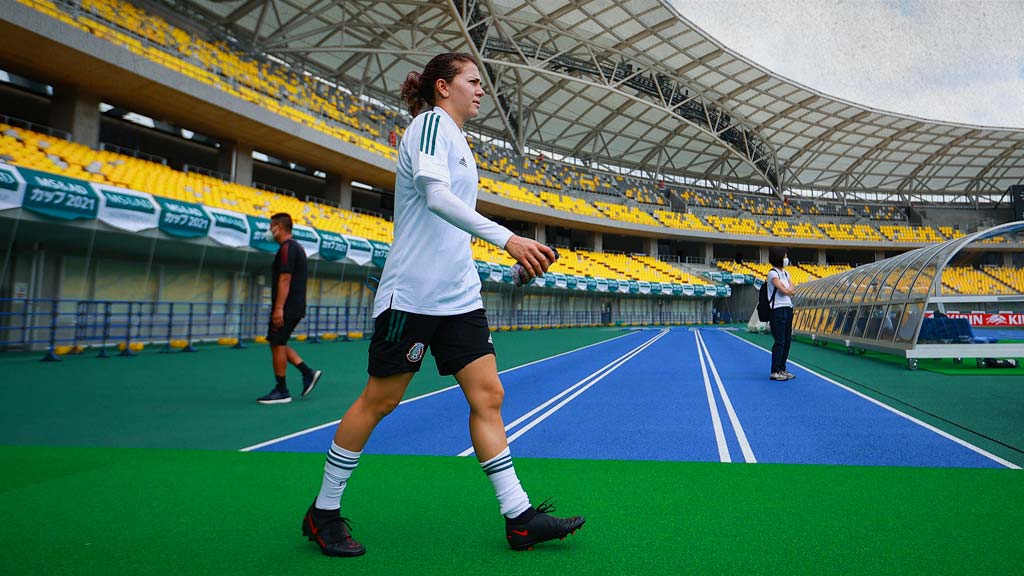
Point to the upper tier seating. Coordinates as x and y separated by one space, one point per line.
901 233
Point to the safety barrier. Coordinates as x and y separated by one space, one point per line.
72 325
31 324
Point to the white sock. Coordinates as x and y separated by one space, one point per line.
502 474
339 466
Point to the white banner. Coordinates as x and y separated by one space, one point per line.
228 228
497 273
360 251
308 238
126 209
12 187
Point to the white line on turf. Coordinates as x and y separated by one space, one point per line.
586 382
716 421
741 437
427 395
925 425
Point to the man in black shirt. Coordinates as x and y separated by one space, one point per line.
288 298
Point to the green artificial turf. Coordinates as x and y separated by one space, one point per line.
127 511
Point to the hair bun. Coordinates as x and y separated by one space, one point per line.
411 92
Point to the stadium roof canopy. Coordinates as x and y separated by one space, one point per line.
635 85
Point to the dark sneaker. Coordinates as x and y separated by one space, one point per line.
332 532
308 383
275 397
536 525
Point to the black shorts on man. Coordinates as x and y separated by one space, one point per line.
401 340
280 336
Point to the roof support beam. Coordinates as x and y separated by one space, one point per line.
489 84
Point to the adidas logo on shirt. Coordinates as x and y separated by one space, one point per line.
462 161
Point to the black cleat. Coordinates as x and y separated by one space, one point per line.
536 525
309 383
332 532
276 396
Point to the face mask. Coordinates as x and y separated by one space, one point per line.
269 235
785 262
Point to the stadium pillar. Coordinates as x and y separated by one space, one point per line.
339 189
595 242
1008 259
764 254
651 246
77 112
709 253
236 161
539 232
879 255
821 257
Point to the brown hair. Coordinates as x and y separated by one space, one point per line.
418 88
282 219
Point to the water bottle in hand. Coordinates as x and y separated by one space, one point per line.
520 277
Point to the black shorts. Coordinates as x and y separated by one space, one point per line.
400 341
280 336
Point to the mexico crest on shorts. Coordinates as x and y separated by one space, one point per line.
415 353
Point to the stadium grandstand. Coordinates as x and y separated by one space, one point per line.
144 145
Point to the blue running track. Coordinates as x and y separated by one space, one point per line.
648 395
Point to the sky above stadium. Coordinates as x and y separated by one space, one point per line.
937 59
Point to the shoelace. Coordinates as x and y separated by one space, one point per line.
343 524
545 507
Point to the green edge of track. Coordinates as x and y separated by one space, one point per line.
124 511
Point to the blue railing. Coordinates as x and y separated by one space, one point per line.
32 324
38 324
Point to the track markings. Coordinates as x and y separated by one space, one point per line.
716 421
427 395
741 436
580 387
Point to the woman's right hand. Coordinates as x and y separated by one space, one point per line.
534 256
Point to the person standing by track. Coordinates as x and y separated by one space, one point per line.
288 301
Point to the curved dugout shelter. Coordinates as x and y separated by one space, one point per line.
899 304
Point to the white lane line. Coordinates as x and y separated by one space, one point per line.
925 425
288 437
586 383
427 395
716 421
741 436
585 379
507 370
